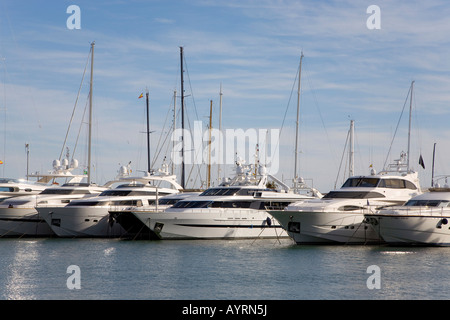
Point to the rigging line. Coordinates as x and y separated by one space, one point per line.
156 155
343 153
287 108
178 111
159 149
395 132
320 112
417 123
190 86
75 106
79 130
168 133
195 154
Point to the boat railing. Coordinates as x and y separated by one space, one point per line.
421 211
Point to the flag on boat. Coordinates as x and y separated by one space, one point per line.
421 162
141 95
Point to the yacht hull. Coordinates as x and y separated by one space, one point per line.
135 228
205 224
327 227
23 222
81 222
412 230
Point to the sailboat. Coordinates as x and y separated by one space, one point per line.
338 217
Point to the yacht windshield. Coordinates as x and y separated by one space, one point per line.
352 195
63 191
219 192
362 182
427 203
123 193
191 204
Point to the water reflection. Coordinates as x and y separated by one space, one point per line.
20 276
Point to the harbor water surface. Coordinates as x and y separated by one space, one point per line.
110 269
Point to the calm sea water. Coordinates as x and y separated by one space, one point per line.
209 270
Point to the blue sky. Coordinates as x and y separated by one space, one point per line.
250 48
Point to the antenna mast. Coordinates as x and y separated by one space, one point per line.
297 122
182 119
90 113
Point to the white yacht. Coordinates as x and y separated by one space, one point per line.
423 220
338 217
90 217
18 215
235 210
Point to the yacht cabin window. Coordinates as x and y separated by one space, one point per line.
367 182
362 182
428 203
233 191
352 195
63 191
7 189
122 193
219 192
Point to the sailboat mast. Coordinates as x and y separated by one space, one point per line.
90 113
432 170
352 148
409 129
182 119
297 121
209 146
220 132
148 135
174 123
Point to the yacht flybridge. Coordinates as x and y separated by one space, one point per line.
237 209
22 187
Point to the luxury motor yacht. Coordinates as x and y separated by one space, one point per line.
423 220
90 217
338 217
236 209
18 215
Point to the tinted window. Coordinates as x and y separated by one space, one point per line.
191 204
362 182
219 192
427 203
6 189
352 195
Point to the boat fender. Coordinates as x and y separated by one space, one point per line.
269 221
444 221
